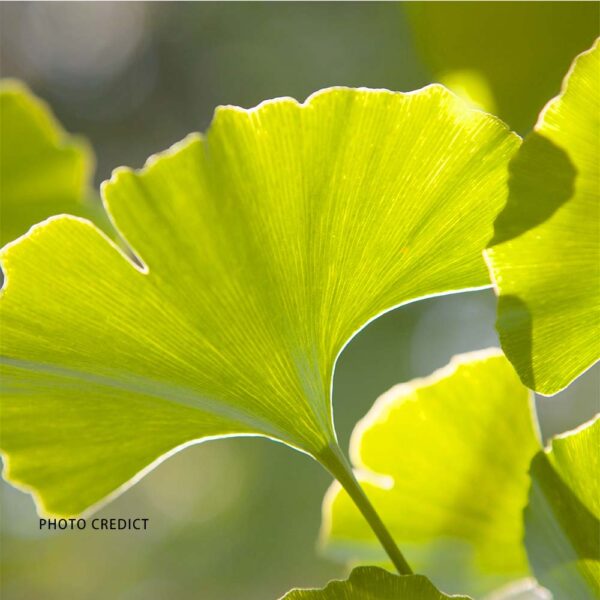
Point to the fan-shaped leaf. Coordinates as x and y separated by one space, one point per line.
562 520
545 255
372 583
264 246
444 460
43 171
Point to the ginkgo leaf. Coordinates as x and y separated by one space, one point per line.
562 519
545 254
265 246
444 461
373 583
43 170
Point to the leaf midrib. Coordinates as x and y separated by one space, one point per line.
180 395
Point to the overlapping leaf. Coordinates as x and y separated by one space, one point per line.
562 520
444 460
265 245
43 171
545 255
372 583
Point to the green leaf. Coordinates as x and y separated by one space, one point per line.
545 255
372 583
562 519
43 170
525 589
444 461
515 52
265 246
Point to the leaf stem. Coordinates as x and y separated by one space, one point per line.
335 462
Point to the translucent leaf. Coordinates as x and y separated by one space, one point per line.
372 583
562 520
444 461
43 170
545 255
265 246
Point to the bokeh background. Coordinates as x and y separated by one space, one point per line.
238 519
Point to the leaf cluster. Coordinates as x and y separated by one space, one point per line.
242 262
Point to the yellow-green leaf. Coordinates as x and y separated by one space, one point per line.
372 583
545 255
562 520
444 461
264 247
43 170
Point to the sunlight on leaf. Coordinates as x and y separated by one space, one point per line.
265 246
444 460
545 255
43 170
372 583
562 520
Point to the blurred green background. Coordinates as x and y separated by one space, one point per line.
239 518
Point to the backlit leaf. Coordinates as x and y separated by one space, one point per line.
265 246
545 255
372 583
444 460
43 170
562 520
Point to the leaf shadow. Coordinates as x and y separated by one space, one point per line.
515 329
555 499
541 179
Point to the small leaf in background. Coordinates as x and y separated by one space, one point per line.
519 50
525 589
373 583
562 519
266 246
472 87
43 170
444 461
545 254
